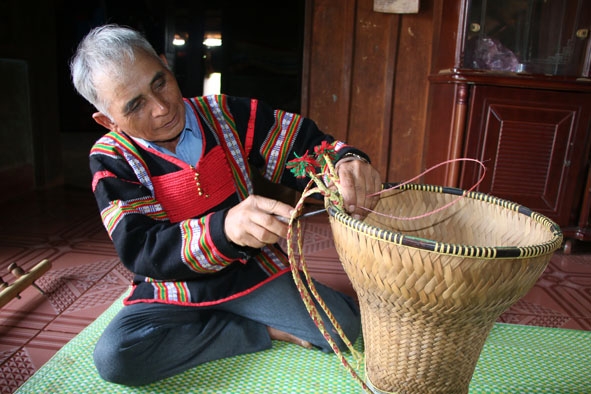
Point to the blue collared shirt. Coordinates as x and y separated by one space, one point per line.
190 142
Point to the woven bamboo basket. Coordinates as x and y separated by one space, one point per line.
430 289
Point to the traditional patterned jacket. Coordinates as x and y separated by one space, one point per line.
166 218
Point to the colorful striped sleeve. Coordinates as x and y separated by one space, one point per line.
199 252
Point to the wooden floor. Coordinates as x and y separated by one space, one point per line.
63 225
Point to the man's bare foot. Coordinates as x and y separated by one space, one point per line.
284 336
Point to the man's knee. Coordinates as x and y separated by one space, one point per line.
117 365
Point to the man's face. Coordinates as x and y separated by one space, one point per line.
145 102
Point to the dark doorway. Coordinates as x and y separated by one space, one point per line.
260 55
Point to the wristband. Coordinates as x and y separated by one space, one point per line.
353 156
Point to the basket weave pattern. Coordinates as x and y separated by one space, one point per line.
431 289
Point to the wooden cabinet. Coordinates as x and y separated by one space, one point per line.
534 144
532 131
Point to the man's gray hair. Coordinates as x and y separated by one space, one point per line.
104 49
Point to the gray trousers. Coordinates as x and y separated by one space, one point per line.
148 342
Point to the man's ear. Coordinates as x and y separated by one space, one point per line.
104 121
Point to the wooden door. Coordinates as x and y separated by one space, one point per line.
534 144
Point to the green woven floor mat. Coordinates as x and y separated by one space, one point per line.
515 359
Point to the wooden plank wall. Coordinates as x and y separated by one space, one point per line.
365 79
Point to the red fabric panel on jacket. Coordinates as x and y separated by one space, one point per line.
191 192
250 130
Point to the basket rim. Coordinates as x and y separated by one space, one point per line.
484 252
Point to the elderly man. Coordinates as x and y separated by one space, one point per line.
172 180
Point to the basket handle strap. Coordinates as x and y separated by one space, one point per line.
305 293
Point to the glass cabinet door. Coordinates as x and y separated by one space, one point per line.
528 36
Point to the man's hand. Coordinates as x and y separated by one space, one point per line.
357 180
254 222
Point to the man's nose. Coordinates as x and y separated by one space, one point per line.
159 106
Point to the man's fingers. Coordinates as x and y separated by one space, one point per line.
353 185
358 180
273 207
350 191
254 222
